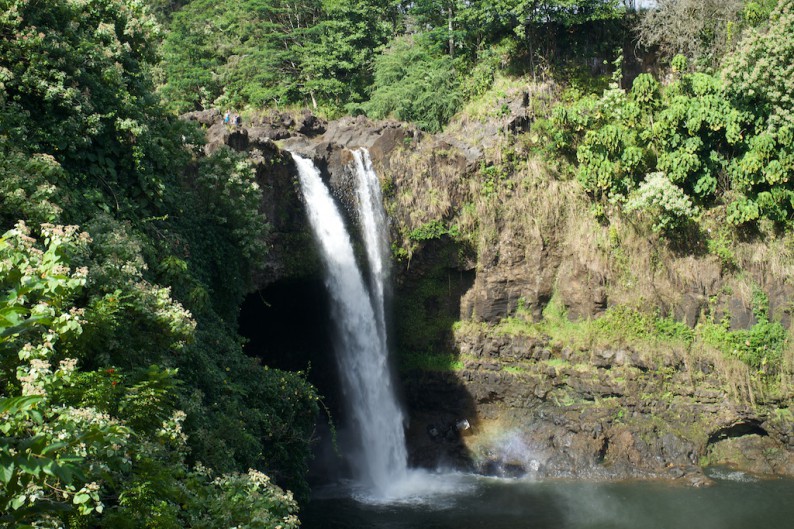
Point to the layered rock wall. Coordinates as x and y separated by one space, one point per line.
514 236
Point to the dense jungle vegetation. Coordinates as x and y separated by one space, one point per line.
125 396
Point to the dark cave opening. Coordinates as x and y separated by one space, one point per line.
287 326
738 429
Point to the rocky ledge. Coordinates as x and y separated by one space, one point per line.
523 406
514 404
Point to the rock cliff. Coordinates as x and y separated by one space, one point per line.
483 231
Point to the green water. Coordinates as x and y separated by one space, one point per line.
481 503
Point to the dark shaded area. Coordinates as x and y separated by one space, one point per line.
738 429
426 306
286 325
427 301
438 403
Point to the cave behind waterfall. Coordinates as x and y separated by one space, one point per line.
287 326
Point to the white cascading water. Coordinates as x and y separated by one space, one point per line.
359 319
373 227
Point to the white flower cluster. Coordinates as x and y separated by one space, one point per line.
172 428
34 376
662 200
178 318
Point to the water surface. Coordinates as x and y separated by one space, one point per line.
470 502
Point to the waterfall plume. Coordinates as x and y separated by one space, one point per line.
359 321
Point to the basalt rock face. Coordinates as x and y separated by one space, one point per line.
520 405
537 409
291 251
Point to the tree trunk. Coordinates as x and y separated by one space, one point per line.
451 38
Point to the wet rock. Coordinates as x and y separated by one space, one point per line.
310 125
267 132
205 117
700 480
676 472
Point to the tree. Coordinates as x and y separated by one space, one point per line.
76 86
273 52
414 82
337 55
701 30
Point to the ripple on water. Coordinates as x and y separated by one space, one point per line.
420 488
728 474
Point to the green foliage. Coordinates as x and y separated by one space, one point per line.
757 12
761 346
248 501
712 139
490 62
265 52
107 445
494 176
330 53
414 83
74 84
720 245
119 293
758 77
46 448
145 322
27 185
434 229
632 324
618 325
226 185
478 23
430 362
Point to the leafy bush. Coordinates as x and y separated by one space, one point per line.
106 447
46 448
435 229
414 83
662 201
726 138
152 311
75 84
633 324
761 346
27 184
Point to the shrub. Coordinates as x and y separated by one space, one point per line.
663 201
413 82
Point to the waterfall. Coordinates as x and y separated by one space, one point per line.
358 315
373 227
